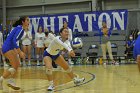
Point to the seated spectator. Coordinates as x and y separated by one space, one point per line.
129 46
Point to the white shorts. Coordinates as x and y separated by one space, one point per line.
40 44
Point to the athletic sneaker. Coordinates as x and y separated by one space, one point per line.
12 84
78 81
50 88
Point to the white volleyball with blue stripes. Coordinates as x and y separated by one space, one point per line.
77 43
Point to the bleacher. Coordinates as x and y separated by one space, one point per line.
93 38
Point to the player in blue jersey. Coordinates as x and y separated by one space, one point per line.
11 51
136 51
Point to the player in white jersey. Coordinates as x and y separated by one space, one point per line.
52 53
26 42
1 54
39 43
70 37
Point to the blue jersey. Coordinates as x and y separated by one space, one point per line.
11 41
131 43
136 49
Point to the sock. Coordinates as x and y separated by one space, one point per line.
29 62
37 57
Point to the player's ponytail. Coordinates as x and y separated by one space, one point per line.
19 22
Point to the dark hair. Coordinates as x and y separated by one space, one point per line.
39 27
46 33
65 22
19 22
61 30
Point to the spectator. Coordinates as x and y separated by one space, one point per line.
106 44
39 44
26 42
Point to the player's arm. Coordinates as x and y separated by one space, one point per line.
30 36
66 46
70 32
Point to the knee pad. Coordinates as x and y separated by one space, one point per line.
69 70
48 71
12 70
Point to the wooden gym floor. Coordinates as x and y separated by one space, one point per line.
99 79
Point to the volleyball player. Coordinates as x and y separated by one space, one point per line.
136 51
11 50
52 53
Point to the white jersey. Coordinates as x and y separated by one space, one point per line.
48 39
1 40
70 34
39 39
26 38
57 45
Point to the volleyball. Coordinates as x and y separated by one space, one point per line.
77 43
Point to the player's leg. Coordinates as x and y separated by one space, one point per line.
24 48
37 55
61 62
48 65
14 61
41 53
29 54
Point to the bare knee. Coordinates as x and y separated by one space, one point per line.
49 71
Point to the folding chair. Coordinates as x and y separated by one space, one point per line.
92 53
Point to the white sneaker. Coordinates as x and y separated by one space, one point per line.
1 86
50 88
12 84
78 81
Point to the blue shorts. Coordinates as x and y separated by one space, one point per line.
54 57
6 48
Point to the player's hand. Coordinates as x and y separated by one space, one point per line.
22 55
71 53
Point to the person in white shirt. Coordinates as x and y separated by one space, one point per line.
26 42
1 54
52 53
39 43
70 37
